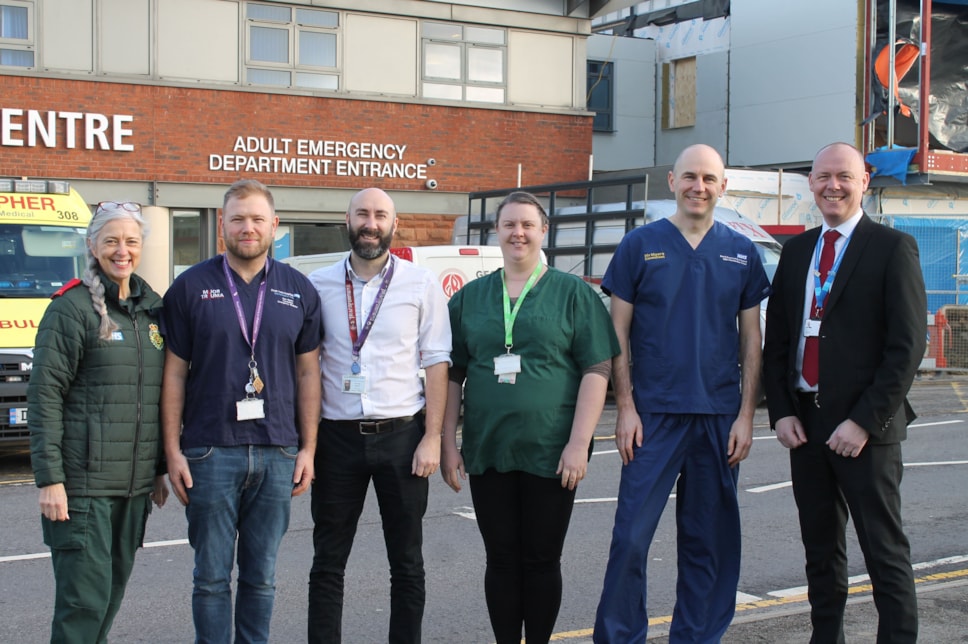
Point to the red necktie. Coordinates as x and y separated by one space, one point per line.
810 369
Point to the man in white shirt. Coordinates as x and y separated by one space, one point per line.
384 319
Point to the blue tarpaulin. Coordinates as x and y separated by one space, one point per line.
891 162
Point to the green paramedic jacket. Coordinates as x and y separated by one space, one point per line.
93 404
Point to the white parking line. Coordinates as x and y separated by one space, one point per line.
933 463
162 544
770 488
857 579
940 422
38 555
46 555
783 484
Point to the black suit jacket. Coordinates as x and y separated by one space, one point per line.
872 337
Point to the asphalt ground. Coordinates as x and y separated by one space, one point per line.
942 594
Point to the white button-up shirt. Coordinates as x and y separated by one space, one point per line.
845 229
411 331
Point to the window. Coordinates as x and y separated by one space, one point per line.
599 98
311 239
463 63
186 239
16 33
291 47
679 93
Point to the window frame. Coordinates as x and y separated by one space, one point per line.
594 79
26 44
679 93
294 29
465 46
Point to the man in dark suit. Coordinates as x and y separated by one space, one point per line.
845 332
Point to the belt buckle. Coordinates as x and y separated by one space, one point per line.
374 426
816 399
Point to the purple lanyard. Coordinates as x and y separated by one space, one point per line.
359 337
239 312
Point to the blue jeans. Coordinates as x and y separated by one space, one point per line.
243 492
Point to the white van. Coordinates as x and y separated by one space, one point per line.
567 246
454 265
568 234
566 240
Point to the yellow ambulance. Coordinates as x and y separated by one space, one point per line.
42 247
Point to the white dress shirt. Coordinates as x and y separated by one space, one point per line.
845 229
411 331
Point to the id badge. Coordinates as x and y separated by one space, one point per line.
250 409
507 363
354 384
811 328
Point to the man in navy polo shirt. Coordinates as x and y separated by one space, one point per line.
686 295
240 407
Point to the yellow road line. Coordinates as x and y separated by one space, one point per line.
781 601
956 387
17 481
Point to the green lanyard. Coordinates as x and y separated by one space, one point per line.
509 315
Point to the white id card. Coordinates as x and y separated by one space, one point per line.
507 363
811 328
250 409
354 384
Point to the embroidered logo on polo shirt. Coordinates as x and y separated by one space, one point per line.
212 294
288 299
653 256
739 259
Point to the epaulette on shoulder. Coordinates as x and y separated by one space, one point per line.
74 282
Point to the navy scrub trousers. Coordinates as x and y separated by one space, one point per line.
688 451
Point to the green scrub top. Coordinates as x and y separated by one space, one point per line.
561 329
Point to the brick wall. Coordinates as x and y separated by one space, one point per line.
176 129
423 230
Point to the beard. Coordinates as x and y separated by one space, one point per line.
369 248
234 247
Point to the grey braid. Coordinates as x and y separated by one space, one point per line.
93 282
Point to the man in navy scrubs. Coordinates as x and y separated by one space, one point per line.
685 302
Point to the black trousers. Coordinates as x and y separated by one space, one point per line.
826 486
345 463
523 520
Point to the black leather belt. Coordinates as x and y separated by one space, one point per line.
808 399
373 426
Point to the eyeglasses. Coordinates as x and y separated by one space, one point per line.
129 206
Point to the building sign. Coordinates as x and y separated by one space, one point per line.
90 131
255 154
23 128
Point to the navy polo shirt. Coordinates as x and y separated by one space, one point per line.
684 342
200 326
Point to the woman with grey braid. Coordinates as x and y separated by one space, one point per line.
94 435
